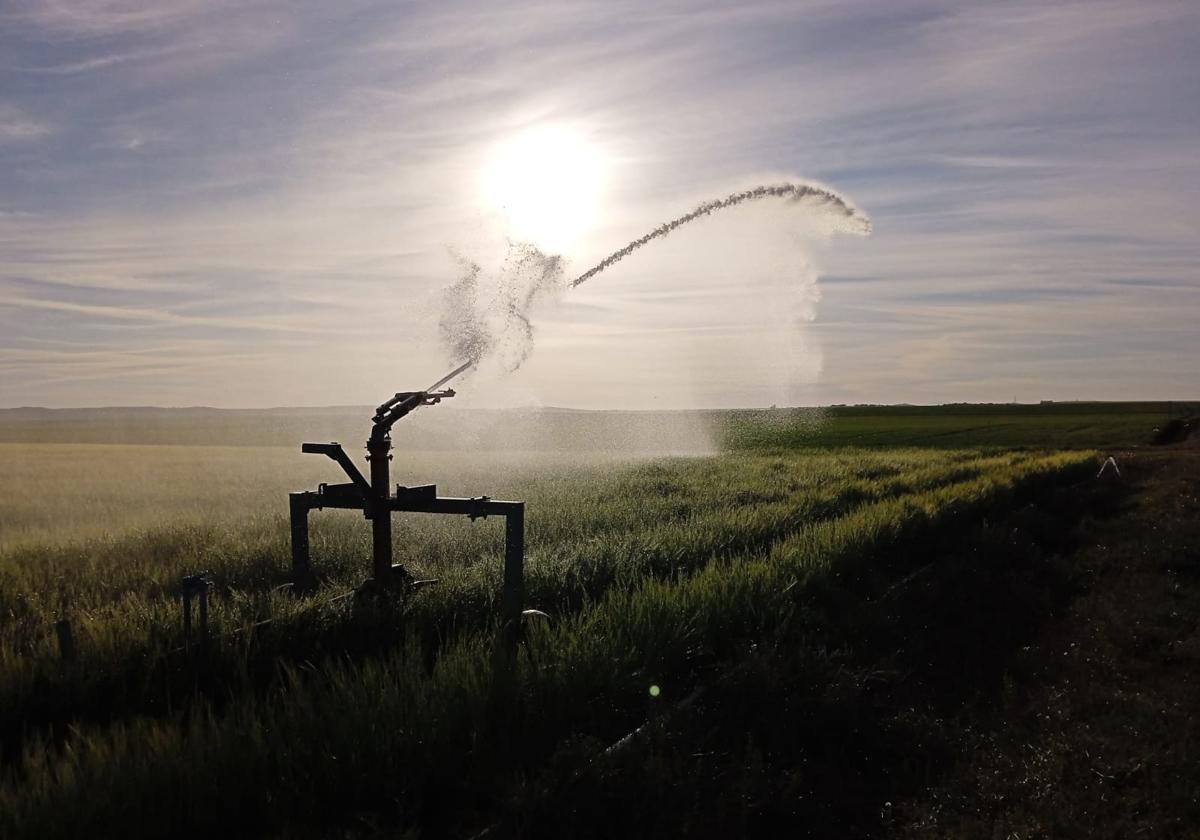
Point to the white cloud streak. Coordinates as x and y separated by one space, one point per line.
17 126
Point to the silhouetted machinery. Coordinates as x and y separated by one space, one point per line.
377 503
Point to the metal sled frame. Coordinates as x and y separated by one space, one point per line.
375 500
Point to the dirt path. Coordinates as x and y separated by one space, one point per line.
1097 733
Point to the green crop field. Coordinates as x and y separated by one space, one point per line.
688 591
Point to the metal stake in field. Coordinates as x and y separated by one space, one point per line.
374 498
195 586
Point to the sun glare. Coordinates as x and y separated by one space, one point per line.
547 181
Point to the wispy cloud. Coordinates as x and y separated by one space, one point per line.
160 317
103 61
17 126
100 18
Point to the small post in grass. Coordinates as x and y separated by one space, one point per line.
66 640
195 586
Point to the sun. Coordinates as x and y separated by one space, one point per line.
547 181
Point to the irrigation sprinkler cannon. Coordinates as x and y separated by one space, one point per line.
375 499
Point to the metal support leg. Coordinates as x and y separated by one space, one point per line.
513 596
302 577
379 510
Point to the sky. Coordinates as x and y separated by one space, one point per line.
253 204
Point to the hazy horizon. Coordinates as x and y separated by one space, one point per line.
365 408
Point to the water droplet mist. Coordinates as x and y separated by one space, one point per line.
487 315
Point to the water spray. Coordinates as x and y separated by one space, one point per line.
503 325
793 192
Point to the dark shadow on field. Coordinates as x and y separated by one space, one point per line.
864 701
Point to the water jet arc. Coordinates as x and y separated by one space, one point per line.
793 192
